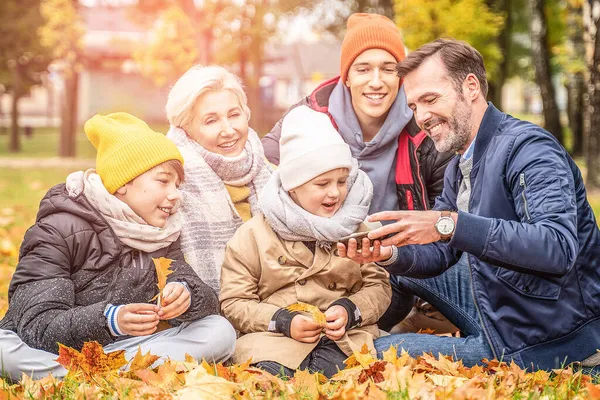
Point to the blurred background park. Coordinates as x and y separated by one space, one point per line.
62 61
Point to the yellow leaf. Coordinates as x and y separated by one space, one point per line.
362 358
447 381
163 270
317 315
306 384
165 378
142 361
202 385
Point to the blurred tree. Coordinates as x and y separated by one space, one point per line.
234 32
63 33
23 59
333 14
468 20
571 57
540 49
592 22
173 49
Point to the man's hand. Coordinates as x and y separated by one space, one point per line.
304 329
175 301
337 318
411 227
367 254
138 319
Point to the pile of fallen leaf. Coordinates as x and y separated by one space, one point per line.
96 375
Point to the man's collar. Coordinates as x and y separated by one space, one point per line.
489 125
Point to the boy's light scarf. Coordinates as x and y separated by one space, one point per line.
129 227
292 222
209 214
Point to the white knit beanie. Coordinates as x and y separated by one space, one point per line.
309 146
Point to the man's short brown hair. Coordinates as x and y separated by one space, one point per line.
459 58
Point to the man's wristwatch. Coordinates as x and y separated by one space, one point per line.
445 226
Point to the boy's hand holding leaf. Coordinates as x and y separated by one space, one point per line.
175 301
173 298
337 318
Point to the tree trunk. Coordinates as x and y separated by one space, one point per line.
593 134
504 41
575 93
576 86
538 30
68 129
14 145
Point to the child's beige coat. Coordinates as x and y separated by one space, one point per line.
262 273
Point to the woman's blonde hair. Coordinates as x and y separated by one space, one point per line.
196 82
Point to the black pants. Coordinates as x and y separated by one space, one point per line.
326 358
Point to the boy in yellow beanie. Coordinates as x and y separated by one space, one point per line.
86 268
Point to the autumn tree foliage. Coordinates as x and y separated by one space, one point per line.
171 49
469 20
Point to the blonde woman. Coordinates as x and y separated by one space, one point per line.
225 165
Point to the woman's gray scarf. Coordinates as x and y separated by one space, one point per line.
292 222
209 216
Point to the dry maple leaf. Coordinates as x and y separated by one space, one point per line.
165 378
142 361
362 358
306 384
202 385
317 315
163 270
374 372
91 360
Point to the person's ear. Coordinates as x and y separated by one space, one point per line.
122 190
472 87
347 83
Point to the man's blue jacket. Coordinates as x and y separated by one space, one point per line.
532 242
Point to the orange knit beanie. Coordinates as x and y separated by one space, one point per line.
369 31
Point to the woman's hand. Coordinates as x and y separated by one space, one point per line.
175 301
138 319
304 329
337 318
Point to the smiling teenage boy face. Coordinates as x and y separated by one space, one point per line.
374 85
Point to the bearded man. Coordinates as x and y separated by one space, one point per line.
511 251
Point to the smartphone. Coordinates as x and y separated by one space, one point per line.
359 237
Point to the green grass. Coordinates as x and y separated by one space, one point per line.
44 143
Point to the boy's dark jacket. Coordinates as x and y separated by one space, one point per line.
532 242
71 265
419 166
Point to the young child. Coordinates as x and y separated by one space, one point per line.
85 268
317 196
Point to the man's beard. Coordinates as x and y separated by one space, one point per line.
459 125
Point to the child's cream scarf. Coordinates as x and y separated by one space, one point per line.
130 228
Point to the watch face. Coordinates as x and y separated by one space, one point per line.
445 226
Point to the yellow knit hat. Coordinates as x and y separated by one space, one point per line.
369 31
127 148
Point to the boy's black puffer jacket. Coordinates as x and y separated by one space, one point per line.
71 265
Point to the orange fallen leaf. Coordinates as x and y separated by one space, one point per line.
91 360
165 378
316 314
163 270
142 361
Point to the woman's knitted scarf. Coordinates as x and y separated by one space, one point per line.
129 227
209 215
292 222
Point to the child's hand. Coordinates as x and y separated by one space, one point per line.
337 318
370 252
304 329
138 319
175 301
